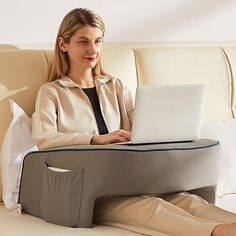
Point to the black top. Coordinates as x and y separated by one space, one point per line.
93 97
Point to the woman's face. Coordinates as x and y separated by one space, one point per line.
84 47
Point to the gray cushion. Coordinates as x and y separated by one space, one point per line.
67 198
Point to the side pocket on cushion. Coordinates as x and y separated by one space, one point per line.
61 195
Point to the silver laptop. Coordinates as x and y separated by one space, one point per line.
167 113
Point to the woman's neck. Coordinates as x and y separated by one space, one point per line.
83 78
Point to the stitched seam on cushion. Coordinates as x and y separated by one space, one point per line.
130 150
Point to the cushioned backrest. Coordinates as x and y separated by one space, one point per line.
118 60
190 65
7 47
22 72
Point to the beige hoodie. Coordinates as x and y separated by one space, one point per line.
64 116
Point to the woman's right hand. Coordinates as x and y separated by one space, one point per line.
117 136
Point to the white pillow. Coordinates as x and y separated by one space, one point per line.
225 132
16 144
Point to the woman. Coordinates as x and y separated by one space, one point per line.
84 105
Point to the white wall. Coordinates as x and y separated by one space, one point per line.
37 21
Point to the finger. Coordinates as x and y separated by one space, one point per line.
120 140
128 136
124 133
122 136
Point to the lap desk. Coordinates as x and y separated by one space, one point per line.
67 196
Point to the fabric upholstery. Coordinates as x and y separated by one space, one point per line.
8 47
189 65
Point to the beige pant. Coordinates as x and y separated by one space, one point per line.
176 215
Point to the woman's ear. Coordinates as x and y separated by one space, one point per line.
62 45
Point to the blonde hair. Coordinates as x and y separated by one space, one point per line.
74 20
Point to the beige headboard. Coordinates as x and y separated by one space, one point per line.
8 47
214 64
